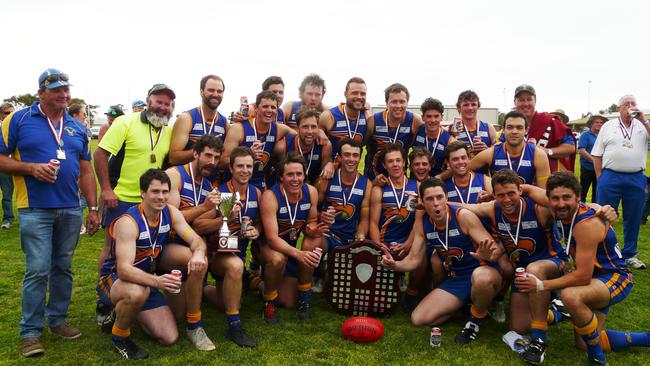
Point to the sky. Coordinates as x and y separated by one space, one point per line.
579 55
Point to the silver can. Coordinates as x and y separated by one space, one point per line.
436 337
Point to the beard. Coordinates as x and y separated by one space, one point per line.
213 102
155 120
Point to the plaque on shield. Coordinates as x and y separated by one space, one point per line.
357 283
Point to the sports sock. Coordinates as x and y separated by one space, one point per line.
476 316
412 292
589 333
304 292
554 316
119 334
614 340
193 320
271 296
233 319
538 330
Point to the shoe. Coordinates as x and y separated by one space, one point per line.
317 285
401 281
635 263
6 224
499 313
31 346
467 334
558 305
109 320
269 313
129 350
82 230
102 311
535 352
304 311
66 331
241 338
597 362
200 340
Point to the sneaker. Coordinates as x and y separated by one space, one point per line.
129 350
269 313
597 362
558 305
109 320
241 338
82 230
467 334
535 352
304 311
31 346
101 312
66 331
635 263
6 224
200 340
317 285
499 313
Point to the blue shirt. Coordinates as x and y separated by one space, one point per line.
586 141
26 136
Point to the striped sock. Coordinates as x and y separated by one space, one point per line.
304 292
119 334
271 296
589 333
193 320
554 316
233 319
477 315
613 340
538 330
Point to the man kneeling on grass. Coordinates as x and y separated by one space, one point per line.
127 280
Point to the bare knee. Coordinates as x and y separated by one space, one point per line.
276 261
234 268
168 338
571 299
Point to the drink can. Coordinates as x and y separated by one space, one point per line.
179 274
54 164
318 251
634 113
436 337
243 108
332 211
520 272
245 224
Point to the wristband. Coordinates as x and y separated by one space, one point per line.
539 284
93 208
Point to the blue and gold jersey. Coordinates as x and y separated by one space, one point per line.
439 144
467 136
191 193
451 243
344 128
269 139
467 193
201 127
346 200
523 164
383 135
396 220
534 242
291 120
300 208
149 243
250 209
313 158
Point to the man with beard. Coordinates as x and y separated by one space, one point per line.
287 209
464 248
431 135
395 125
138 141
199 121
527 160
600 278
546 131
311 91
227 268
585 145
478 135
260 133
349 119
317 156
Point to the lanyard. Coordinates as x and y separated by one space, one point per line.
426 142
627 134
394 139
216 114
392 186
311 153
568 240
347 123
153 145
445 243
469 188
523 152
194 195
58 136
292 218
349 197
257 137
478 132
515 239
146 225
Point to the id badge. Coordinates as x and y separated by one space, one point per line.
60 154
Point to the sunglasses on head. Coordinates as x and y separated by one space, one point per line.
56 77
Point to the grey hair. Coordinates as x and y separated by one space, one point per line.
626 96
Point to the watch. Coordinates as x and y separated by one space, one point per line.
93 208
549 152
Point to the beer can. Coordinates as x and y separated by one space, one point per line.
436 337
332 211
244 225
633 113
54 164
179 274
243 107
318 251
520 272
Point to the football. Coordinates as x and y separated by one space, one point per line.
362 329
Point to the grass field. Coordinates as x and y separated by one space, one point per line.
292 343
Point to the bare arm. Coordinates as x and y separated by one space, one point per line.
180 136
209 204
598 165
102 132
42 172
197 245
536 194
233 137
126 233
542 168
475 230
563 151
583 153
325 121
364 220
415 255
484 158
375 214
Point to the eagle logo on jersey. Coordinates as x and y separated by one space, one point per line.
345 212
284 226
450 255
524 248
264 159
400 215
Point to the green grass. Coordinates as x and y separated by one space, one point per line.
292 343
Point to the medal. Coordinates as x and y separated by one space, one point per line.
208 132
152 157
344 215
398 201
293 234
347 123
346 199
469 189
60 154
627 134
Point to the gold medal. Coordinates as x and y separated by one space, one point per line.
153 157
344 215
293 234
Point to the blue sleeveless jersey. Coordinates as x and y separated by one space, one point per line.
523 165
438 157
219 129
478 185
188 189
250 208
284 222
348 213
339 130
534 243
291 120
382 136
269 138
483 132
455 252
145 252
608 256
280 117
313 168
395 224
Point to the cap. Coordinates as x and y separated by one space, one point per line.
162 88
115 111
525 88
591 119
560 113
138 103
52 79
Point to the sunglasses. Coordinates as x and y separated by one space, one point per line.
56 77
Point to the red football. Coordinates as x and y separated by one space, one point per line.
362 329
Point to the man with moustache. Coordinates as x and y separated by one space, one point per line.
395 125
312 90
199 121
137 142
349 119
48 204
585 145
478 135
527 160
431 135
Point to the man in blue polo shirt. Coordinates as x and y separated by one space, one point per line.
585 144
48 203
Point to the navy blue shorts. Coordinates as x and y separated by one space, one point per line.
156 298
619 286
111 214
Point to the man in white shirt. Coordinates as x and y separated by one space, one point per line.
619 156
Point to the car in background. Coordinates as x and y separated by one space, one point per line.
94 132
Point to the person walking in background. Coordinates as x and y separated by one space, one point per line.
585 144
6 183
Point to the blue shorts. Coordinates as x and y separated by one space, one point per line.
459 285
560 263
156 298
333 241
619 286
111 214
